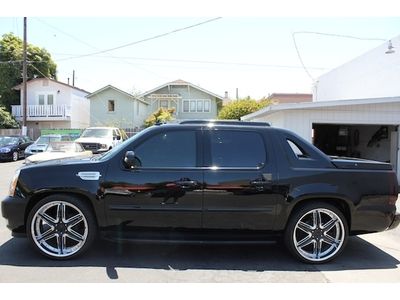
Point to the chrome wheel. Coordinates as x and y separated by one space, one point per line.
15 156
318 235
59 229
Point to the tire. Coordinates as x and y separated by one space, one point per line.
316 233
15 156
61 227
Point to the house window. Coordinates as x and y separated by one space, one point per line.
206 105
41 99
50 99
193 106
201 105
46 99
111 105
186 106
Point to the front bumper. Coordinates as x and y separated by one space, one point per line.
13 210
396 221
6 156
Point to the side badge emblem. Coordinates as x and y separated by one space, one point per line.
89 175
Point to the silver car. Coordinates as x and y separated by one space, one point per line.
41 144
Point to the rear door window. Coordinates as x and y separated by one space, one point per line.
236 149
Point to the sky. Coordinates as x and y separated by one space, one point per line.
256 55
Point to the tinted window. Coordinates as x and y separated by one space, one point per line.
237 149
169 149
297 150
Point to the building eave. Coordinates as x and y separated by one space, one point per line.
315 105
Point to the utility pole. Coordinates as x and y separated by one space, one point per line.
24 77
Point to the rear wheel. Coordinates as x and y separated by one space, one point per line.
316 233
61 227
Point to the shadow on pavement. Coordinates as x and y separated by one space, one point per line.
358 255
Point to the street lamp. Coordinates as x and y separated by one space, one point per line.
390 49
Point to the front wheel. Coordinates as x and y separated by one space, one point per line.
15 156
61 227
316 233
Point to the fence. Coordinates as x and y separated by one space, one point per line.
34 133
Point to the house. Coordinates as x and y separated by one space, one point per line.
110 106
355 110
289 97
53 104
188 100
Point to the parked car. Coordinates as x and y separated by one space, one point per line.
101 139
13 147
60 150
40 145
202 181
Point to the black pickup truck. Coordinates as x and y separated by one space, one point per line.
204 182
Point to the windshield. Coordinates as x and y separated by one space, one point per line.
64 147
47 139
8 140
97 132
120 146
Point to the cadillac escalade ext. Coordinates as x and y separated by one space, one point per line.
204 181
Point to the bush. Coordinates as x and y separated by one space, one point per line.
160 116
238 108
6 120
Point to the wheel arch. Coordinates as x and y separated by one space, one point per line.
342 204
39 196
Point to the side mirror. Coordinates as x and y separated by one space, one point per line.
131 161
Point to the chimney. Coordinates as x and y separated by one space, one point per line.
226 95
68 80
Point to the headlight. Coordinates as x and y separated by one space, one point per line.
5 150
103 146
13 183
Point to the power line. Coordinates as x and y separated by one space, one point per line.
201 61
326 34
143 40
93 47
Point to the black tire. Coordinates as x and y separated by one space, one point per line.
15 156
302 235
61 226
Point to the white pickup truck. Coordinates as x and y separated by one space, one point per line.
101 139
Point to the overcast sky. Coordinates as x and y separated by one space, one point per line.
257 55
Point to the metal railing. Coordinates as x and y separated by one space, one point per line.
43 111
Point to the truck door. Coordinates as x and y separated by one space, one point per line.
239 175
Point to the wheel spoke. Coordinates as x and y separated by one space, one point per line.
304 227
72 234
71 222
317 249
329 225
46 236
330 240
49 220
305 242
61 243
316 218
61 212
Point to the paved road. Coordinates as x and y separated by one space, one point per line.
369 258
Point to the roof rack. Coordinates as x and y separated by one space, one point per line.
225 122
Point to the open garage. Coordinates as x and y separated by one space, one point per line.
362 128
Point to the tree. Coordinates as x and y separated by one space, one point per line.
40 64
6 120
238 108
159 116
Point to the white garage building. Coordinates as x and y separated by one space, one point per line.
355 110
